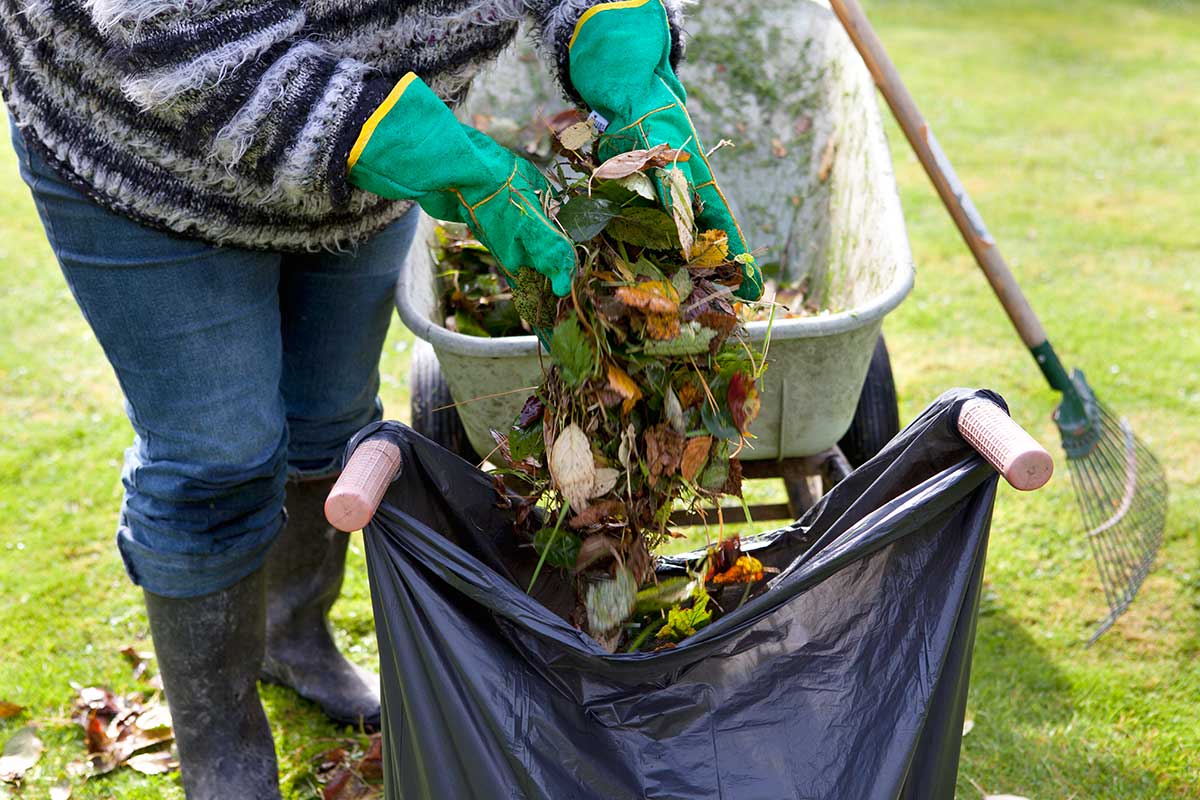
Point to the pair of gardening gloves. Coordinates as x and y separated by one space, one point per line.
413 147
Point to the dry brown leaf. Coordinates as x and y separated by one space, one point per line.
662 327
9 710
606 481
653 297
156 763
572 466
695 456
777 148
371 764
624 164
620 382
680 201
711 249
664 450
21 752
690 393
577 136
595 548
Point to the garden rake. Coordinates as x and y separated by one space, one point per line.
1118 483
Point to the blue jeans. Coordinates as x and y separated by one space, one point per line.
239 369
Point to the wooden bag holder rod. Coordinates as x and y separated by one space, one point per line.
1004 444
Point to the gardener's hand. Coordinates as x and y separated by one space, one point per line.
620 63
413 148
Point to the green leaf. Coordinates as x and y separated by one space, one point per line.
715 474
584 217
610 602
667 592
645 227
572 351
468 326
682 281
559 547
692 340
684 622
718 423
526 443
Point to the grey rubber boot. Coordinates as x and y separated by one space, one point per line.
304 577
209 650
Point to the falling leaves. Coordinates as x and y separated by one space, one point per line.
21 752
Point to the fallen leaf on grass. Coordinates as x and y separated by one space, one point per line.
157 763
124 730
61 790
21 752
8 710
138 659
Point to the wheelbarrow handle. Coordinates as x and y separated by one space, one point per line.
1016 455
373 465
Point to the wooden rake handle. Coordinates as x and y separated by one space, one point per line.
373 465
954 195
1004 444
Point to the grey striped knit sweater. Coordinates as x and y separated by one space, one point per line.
231 120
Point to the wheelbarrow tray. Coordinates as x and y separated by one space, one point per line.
810 178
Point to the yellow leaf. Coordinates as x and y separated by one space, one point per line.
662 327
653 297
620 382
711 249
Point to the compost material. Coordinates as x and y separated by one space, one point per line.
846 678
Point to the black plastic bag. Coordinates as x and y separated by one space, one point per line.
847 679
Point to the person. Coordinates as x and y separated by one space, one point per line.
229 187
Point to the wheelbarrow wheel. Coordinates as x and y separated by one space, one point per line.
433 412
877 417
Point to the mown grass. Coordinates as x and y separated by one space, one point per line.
1074 125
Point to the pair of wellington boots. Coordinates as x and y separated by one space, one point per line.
273 625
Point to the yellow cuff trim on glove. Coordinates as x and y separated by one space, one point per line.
596 9
369 126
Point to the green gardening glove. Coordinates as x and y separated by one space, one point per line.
413 148
620 63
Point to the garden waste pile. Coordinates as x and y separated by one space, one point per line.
647 396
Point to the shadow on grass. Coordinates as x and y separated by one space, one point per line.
1028 735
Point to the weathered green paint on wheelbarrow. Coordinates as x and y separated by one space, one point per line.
810 178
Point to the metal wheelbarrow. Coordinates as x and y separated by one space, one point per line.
809 176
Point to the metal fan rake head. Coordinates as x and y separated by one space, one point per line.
1122 494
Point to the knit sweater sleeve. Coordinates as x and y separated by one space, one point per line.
555 22
264 98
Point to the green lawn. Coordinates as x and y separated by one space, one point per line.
1075 125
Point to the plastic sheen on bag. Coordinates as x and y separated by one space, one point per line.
847 679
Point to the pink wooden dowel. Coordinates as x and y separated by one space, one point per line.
357 493
1016 455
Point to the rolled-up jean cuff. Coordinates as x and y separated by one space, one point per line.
183 575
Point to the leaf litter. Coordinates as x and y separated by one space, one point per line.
648 394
